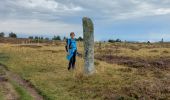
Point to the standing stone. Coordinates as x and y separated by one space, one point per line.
88 35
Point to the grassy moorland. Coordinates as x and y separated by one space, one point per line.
123 71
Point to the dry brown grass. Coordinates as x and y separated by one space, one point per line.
46 69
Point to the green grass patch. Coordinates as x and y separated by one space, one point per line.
3 57
1 95
23 93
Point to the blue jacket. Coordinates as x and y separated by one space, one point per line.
72 49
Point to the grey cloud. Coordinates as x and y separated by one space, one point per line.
29 9
64 13
102 9
121 9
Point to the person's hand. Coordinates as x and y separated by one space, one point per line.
79 54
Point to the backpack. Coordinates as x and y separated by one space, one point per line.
68 45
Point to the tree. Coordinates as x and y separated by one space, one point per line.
162 40
31 37
80 39
64 38
2 34
36 38
118 40
56 38
47 39
12 35
41 38
111 41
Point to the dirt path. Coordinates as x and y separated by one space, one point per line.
8 91
29 88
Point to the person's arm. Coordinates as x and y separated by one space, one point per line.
68 42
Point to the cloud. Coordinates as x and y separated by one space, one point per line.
36 9
39 27
50 5
98 9
37 17
128 9
59 16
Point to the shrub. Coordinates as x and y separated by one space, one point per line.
12 35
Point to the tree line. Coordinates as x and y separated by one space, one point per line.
55 38
113 41
11 35
38 38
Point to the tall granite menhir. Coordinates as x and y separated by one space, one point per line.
88 35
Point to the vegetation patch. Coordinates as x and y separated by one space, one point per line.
165 52
161 63
31 46
121 73
153 51
52 51
24 95
147 89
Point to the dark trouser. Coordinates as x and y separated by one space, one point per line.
72 61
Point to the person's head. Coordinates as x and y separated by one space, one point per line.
72 35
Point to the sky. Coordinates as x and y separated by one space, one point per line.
131 20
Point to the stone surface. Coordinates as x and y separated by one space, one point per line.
88 35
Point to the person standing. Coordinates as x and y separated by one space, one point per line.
71 48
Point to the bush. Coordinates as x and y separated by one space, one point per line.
79 39
56 38
113 41
118 40
2 34
12 35
31 37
